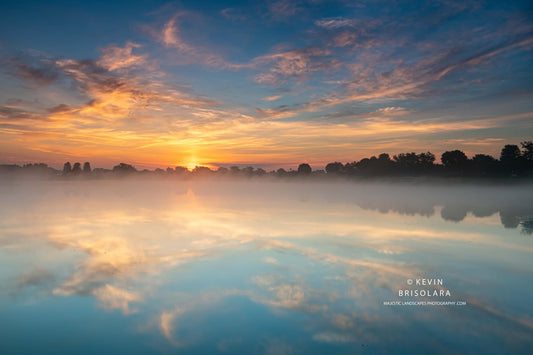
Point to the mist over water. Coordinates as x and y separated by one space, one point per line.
266 266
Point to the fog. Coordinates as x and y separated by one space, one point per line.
452 201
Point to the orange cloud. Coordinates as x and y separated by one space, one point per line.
115 57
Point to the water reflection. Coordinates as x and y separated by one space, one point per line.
157 267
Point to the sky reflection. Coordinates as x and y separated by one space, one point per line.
285 268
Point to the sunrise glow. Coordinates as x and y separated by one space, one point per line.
269 85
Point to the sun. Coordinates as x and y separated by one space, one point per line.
191 165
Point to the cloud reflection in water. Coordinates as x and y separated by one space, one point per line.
179 257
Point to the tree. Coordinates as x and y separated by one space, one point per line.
384 157
351 168
201 170
527 155
454 160
304 169
485 164
334 168
182 170
527 150
248 171
510 152
367 166
406 161
124 168
425 161
76 169
510 158
67 168
86 167
222 171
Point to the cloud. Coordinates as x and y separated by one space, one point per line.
390 109
111 297
336 23
233 14
170 34
36 70
400 82
389 61
171 37
115 57
342 321
393 111
36 277
167 324
334 338
522 40
297 64
110 259
272 97
120 96
288 296
268 79
283 9
15 114
270 260
110 87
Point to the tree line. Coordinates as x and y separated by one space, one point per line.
514 161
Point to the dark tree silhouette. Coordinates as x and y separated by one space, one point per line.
351 168
76 169
248 171
412 163
38 169
527 150
304 169
67 168
406 162
221 170
181 170
485 164
201 170
124 168
527 156
454 160
335 168
510 158
426 160
235 170
512 163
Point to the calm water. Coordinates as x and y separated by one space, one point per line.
269 268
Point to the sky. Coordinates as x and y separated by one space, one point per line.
269 84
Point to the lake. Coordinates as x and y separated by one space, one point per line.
265 267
